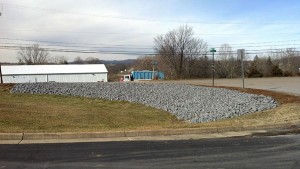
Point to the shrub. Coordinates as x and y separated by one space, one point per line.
276 71
287 73
253 72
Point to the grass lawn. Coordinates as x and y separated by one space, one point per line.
52 113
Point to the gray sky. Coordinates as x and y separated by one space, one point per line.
128 27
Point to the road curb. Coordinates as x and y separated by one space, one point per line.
134 133
167 132
11 136
42 136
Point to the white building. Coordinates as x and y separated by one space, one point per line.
54 73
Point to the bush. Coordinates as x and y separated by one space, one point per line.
113 78
276 71
253 72
287 73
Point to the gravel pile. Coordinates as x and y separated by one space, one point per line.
191 103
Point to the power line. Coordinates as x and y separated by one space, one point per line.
143 48
150 47
74 46
84 51
136 53
122 49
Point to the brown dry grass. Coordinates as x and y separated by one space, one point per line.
46 113
52 113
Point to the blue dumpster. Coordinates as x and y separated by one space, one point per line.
147 75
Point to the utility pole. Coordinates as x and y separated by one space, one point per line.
0 62
213 50
1 74
241 55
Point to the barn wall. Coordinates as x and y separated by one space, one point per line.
24 78
56 78
78 77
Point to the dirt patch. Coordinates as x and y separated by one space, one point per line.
6 87
282 98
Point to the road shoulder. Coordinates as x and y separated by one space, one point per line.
147 135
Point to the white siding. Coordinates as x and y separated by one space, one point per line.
56 78
78 77
53 69
24 78
56 73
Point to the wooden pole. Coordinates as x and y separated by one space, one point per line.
241 55
1 74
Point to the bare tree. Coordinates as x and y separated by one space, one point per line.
143 63
33 55
195 48
265 65
59 60
203 67
78 60
288 60
179 48
91 60
291 62
227 63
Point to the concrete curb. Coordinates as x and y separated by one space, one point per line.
42 136
146 133
11 136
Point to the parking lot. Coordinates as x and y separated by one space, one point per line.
281 84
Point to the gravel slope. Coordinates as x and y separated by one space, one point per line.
195 104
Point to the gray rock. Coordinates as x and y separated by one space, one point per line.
195 104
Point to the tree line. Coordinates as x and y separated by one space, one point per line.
181 55
35 55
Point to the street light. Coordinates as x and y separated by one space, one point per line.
213 50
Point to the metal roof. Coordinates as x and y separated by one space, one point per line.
53 69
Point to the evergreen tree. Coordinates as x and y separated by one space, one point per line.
253 70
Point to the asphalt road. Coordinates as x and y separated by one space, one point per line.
255 152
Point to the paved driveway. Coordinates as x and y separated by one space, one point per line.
282 84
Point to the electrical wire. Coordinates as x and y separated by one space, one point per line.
139 53
137 48
150 47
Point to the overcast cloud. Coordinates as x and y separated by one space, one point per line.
129 26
